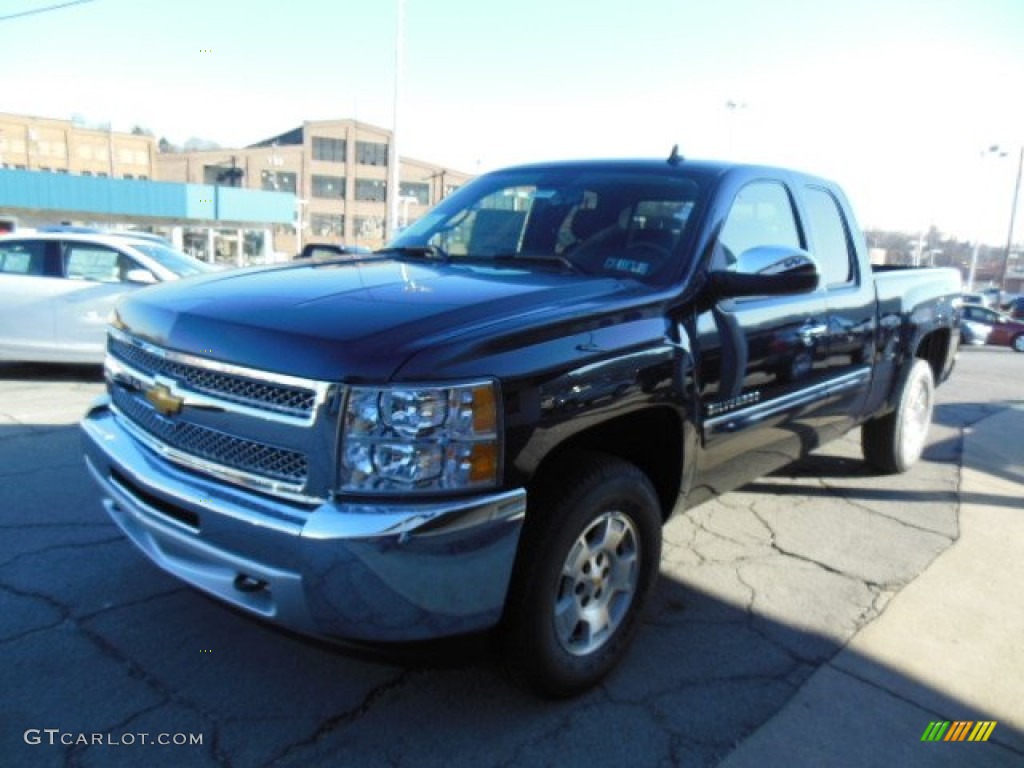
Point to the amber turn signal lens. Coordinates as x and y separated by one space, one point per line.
485 418
483 463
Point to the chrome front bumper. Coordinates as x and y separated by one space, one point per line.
369 572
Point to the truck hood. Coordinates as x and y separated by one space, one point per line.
345 320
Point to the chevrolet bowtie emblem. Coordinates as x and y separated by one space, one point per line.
160 397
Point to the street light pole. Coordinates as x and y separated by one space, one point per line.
299 223
1013 221
977 240
393 159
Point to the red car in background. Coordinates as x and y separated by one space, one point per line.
981 325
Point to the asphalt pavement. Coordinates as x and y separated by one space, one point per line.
820 616
949 648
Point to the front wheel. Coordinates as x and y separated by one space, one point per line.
1018 343
588 558
893 443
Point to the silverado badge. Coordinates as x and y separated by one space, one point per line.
160 397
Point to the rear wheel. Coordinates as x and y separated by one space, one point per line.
894 442
587 561
1018 343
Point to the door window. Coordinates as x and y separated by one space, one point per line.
761 214
85 261
980 315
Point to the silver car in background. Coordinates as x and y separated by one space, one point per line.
58 290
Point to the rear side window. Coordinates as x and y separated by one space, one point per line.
23 257
831 240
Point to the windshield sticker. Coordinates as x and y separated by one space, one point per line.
627 265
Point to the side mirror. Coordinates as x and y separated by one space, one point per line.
768 270
143 276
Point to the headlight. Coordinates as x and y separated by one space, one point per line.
403 439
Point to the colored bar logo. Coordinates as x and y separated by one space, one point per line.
959 730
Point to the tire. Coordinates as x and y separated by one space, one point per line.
1018 343
588 558
893 443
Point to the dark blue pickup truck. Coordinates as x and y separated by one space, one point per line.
486 424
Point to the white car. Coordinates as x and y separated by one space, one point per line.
57 290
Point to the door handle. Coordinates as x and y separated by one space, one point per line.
814 330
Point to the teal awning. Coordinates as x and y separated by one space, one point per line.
38 191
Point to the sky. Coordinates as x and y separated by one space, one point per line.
897 100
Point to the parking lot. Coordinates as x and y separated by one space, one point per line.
107 661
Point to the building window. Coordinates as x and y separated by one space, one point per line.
87 173
369 227
331 187
328 150
129 176
417 189
223 175
327 224
371 153
278 181
371 190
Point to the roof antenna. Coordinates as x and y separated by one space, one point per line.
674 157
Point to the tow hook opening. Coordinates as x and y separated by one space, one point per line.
246 583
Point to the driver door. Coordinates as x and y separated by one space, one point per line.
763 367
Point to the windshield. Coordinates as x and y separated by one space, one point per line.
595 222
179 263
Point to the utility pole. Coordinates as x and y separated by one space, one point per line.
438 192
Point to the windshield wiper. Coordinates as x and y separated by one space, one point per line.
541 258
426 251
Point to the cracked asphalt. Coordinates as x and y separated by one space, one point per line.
758 589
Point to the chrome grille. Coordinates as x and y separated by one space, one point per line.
212 445
270 396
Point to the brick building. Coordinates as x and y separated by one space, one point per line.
336 168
